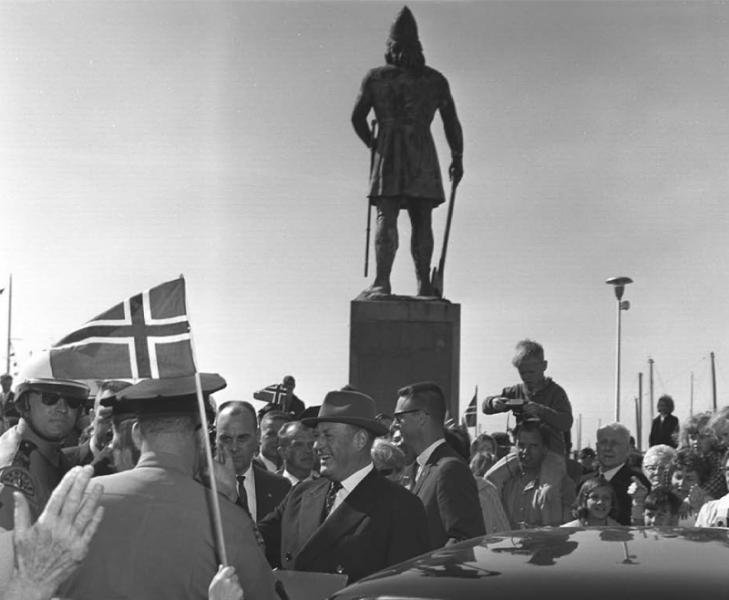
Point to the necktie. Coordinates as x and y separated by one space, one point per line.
334 487
416 468
242 495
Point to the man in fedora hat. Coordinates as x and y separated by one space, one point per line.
351 520
156 541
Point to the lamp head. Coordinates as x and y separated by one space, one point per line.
619 284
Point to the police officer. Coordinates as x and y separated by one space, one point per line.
156 541
31 459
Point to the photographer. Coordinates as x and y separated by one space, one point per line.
536 398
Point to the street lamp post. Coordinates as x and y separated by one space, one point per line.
619 284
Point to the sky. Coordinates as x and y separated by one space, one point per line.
144 140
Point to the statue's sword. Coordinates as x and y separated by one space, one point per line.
369 206
436 280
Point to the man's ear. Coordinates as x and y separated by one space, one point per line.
136 435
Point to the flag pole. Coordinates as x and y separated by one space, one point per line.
217 519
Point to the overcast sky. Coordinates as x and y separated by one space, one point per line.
139 141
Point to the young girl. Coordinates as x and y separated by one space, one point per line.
595 502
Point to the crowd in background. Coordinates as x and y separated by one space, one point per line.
434 482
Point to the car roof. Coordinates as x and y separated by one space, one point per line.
584 563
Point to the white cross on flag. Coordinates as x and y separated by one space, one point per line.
147 335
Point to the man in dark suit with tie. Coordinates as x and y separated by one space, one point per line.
351 520
664 429
236 430
443 480
613 449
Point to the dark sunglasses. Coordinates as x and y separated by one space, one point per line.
51 399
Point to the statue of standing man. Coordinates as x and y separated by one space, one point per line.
405 94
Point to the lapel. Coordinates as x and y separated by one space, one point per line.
435 456
264 493
312 506
356 506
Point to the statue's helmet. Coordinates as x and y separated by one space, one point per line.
404 30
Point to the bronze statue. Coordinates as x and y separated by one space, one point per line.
405 94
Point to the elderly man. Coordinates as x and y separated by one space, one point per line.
296 447
442 480
156 541
528 500
236 431
31 458
351 520
613 450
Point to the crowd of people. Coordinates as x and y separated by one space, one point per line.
335 488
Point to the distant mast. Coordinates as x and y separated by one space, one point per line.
10 318
650 385
713 382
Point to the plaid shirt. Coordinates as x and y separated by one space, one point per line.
716 483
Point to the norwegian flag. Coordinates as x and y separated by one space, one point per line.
147 335
273 394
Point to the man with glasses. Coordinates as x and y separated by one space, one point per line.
31 459
442 480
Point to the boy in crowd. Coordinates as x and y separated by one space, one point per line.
660 508
537 397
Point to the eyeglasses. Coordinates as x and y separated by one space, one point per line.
51 399
399 415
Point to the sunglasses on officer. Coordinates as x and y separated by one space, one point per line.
51 399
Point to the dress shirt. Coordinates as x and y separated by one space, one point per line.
424 456
249 484
349 484
293 479
271 466
610 473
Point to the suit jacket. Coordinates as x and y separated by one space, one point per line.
271 489
620 482
661 431
379 524
449 493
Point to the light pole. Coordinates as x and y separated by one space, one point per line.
619 284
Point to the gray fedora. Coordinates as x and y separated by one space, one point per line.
352 408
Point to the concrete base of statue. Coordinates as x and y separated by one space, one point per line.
398 340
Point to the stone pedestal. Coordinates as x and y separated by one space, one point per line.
393 343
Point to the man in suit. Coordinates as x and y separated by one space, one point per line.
236 430
529 500
613 450
443 480
351 520
296 447
156 540
268 454
664 429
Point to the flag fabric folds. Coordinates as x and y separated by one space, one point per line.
147 335
272 394
471 415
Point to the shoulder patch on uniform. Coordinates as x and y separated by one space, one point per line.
19 479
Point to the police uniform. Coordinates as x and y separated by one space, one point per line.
156 540
30 464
